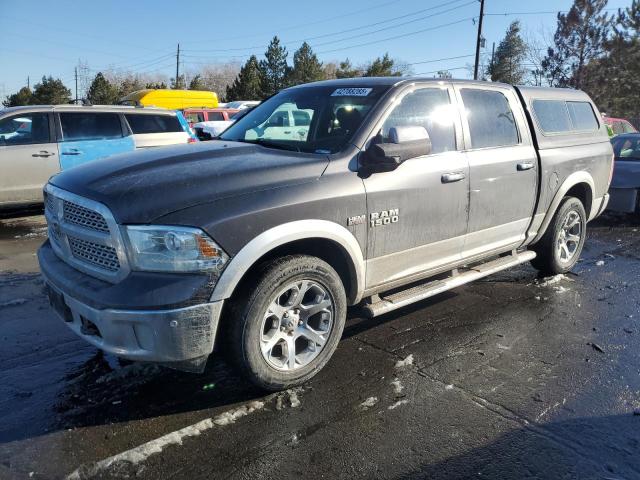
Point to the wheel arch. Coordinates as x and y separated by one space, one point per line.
327 240
579 185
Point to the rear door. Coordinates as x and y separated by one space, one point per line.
503 169
28 157
156 129
88 136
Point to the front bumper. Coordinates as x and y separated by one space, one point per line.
181 335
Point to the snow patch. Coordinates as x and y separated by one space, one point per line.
397 404
448 387
548 281
397 386
560 289
142 452
293 398
368 403
600 263
403 363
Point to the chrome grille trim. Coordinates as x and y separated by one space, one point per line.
85 235
78 215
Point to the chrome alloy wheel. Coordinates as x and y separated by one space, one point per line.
569 237
297 325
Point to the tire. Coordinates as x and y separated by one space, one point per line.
297 333
552 257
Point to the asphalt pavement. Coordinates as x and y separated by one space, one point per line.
514 376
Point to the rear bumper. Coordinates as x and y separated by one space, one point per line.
623 199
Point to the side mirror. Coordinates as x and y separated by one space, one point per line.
406 143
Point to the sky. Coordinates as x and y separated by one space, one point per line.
51 37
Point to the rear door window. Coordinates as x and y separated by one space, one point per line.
552 116
301 118
582 116
215 116
25 129
78 126
429 108
628 128
142 123
491 121
192 117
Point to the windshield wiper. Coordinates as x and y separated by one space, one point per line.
271 144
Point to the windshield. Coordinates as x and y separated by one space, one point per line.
308 119
626 148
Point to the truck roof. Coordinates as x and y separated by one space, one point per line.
65 107
391 81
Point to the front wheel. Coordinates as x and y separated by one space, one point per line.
287 327
561 245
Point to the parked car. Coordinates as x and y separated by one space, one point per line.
197 115
37 142
626 173
158 127
399 190
171 99
619 126
210 130
240 104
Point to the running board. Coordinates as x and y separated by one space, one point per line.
388 303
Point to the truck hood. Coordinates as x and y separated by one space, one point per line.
141 186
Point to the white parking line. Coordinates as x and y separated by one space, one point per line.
142 452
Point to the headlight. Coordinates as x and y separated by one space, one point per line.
173 249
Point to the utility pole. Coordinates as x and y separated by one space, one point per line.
76 75
475 70
28 83
177 67
493 54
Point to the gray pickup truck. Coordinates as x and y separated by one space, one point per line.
372 191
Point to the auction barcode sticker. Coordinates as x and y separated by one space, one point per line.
351 92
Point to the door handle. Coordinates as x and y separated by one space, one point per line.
453 177
72 152
525 166
43 153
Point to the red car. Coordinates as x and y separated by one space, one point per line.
197 115
619 125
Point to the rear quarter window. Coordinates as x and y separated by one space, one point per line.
78 126
142 123
215 116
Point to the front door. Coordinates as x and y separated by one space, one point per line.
28 157
503 169
417 214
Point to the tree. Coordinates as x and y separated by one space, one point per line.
382 67
155 85
179 84
197 83
102 92
21 97
248 83
580 37
306 67
346 70
274 67
444 74
50 92
507 65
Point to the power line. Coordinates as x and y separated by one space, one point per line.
353 29
544 12
440 60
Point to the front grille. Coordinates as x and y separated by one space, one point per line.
101 256
49 202
84 217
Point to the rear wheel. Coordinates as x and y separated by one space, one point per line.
287 327
560 247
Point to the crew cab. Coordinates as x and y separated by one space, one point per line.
397 190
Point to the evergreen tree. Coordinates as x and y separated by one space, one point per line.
580 37
274 67
508 62
20 98
197 83
156 85
179 84
248 83
50 92
102 91
306 67
382 67
346 70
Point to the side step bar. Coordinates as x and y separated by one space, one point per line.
388 303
